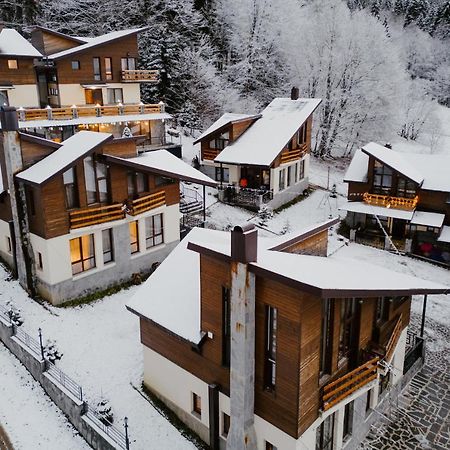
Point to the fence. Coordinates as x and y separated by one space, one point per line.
414 350
52 379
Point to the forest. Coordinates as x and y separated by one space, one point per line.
380 66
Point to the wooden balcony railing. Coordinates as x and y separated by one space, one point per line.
142 76
344 386
391 202
288 156
92 216
147 203
75 112
393 340
210 153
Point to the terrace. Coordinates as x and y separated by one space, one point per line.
140 76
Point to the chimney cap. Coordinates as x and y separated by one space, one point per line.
8 118
244 243
295 93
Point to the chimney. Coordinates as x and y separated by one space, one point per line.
242 435
388 145
295 93
8 118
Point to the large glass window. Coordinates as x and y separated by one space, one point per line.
89 176
114 95
382 310
301 173
348 420
302 133
154 233
82 253
96 67
405 188
325 434
220 142
281 179
347 327
108 68
137 183
96 180
382 181
108 254
291 175
222 174
128 63
70 188
271 348
134 236
326 337
226 326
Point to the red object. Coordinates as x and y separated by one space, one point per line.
426 247
243 182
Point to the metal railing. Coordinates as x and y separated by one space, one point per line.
60 377
253 198
4 313
108 428
28 341
414 350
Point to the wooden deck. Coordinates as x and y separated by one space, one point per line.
338 390
147 203
388 201
141 76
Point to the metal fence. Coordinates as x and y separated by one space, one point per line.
4 313
107 427
28 341
60 377
414 350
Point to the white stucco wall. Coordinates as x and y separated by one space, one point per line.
71 94
5 234
275 175
56 251
25 95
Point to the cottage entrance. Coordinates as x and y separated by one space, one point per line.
255 178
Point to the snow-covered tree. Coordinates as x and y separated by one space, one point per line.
51 352
14 314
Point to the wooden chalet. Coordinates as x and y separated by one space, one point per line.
400 199
273 343
87 213
264 158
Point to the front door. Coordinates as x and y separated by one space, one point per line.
398 228
93 96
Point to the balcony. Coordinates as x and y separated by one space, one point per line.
146 203
288 156
140 76
74 112
209 154
93 216
338 390
388 201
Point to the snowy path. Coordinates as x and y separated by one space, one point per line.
31 418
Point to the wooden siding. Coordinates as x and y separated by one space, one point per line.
49 43
116 50
33 152
123 148
25 73
316 245
237 129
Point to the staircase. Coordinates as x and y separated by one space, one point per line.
191 208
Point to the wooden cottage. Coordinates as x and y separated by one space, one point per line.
404 196
273 343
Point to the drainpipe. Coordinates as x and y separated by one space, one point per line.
242 435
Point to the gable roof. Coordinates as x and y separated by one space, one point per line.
432 170
72 149
176 307
223 121
95 42
166 164
13 43
76 39
266 138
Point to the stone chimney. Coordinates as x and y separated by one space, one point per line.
295 93
242 435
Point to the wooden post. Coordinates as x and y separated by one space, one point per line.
204 204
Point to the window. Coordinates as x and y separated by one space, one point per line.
301 173
281 182
128 63
108 69
347 328
4 98
70 188
137 183
382 310
368 401
96 179
196 404
270 446
348 420
75 65
405 188
326 337
302 134
8 244
13 64
220 142
382 181
325 434
107 240
226 326
114 95
290 175
134 236
225 424
163 181
82 253
154 231
271 348
40 264
96 67
222 174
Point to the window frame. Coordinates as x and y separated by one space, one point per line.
226 423
108 68
196 405
134 244
13 64
326 337
108 231
282 179
97 179
96 64
152 237
73 187
83 259
75 64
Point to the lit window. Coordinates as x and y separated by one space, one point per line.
75 65
196 404
154 231
107 240
108 68
134 236
225 424
13 64
82 253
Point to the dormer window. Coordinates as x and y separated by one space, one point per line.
13 64
220 142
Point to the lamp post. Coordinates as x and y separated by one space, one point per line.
40 343
127 440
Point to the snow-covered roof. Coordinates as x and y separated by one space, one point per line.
358 168
428 219
225 119
434 168
267 137
176 306
445 234
364 208
72 149
395 160
92 120
164 163
94 42
13 43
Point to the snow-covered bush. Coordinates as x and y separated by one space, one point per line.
264 215
14 314
51 353
104 411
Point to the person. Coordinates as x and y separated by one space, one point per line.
243 183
